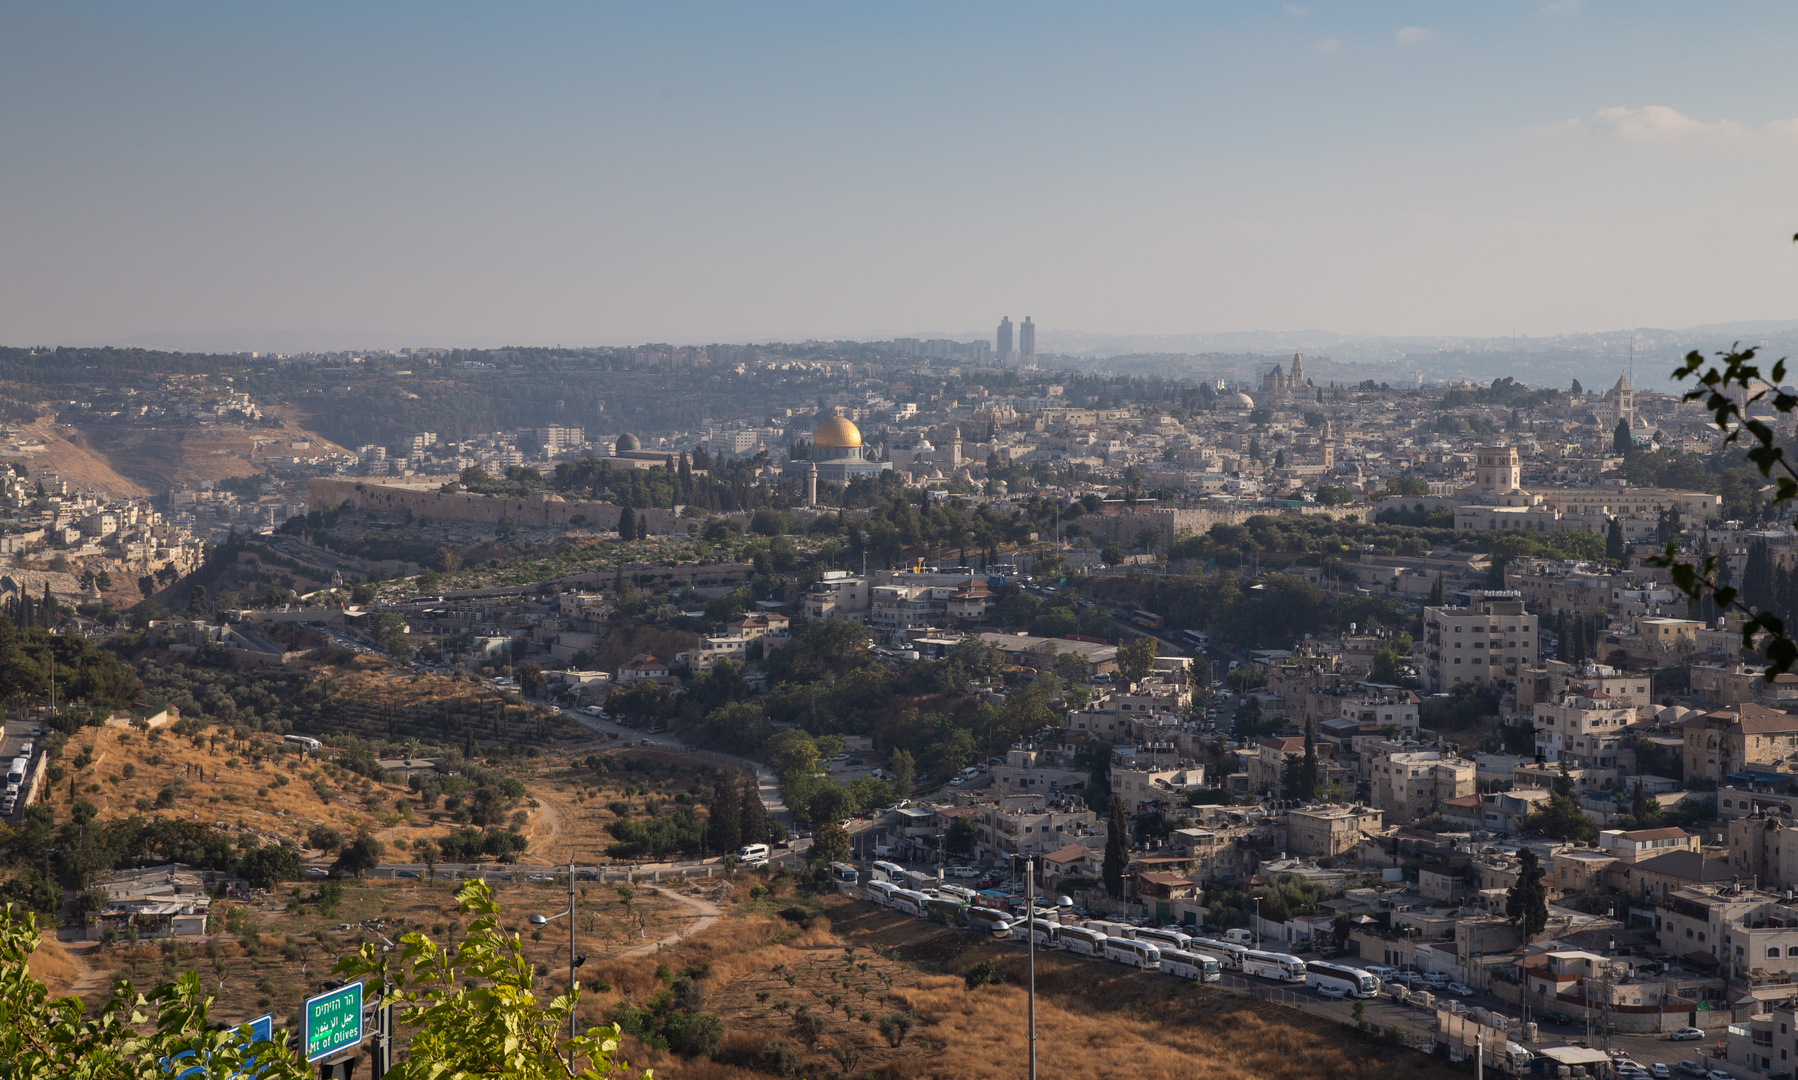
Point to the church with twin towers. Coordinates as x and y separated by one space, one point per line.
1024 352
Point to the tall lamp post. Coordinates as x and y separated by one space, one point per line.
1257 927
573 960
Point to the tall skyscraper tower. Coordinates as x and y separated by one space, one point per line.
1027 342
1004 338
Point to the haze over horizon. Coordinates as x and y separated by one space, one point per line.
559 174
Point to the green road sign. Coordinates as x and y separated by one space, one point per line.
332 1021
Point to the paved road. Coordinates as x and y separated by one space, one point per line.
1419 1022
766 782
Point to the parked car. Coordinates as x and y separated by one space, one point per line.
1459 989
1555 1017
956 782
1686 1034
1691 1068
317 872
1660 1071
961 872
854 761
1718 1074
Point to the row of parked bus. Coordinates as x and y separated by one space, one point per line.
1147 948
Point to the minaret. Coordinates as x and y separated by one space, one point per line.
811 483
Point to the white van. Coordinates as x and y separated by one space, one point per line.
753 854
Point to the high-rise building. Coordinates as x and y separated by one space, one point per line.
1027 341
1004 338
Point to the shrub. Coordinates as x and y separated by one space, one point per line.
810 1024
895 1026
779 1058
983 974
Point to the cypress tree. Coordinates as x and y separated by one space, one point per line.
724 827
754 815
642 526
1308 771
1527 901
1117 849
1613 541
1757 578
627 524
468 747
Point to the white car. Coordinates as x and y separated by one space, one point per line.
1459 989
1686 1034
1660 1071
961 872
1718 1074
955 782
1335 992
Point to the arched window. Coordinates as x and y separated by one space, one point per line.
1773 953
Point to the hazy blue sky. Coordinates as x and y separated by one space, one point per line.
599 173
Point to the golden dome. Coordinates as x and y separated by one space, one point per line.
837 431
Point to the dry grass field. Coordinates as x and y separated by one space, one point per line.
858 963
249 785
266 957
256 786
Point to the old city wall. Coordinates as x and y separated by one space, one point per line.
540 511
1174 523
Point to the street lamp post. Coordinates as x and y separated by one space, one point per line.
1030 937
1257 927
573 961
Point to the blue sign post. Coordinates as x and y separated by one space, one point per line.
332 1022
262 1029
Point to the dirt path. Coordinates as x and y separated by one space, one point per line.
706 911
90 982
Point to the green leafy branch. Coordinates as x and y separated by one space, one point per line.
1698 580
474 1008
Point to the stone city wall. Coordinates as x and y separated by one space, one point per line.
540 510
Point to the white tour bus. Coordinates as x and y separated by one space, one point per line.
15 772
753 854
842 873
1191 965
303 742
1139 954
1353 981
881 892
1108 927
1047 934
1164 939
1283 967
910 901
1227 951
965 895
981 920
918 880
1082 942
886 871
